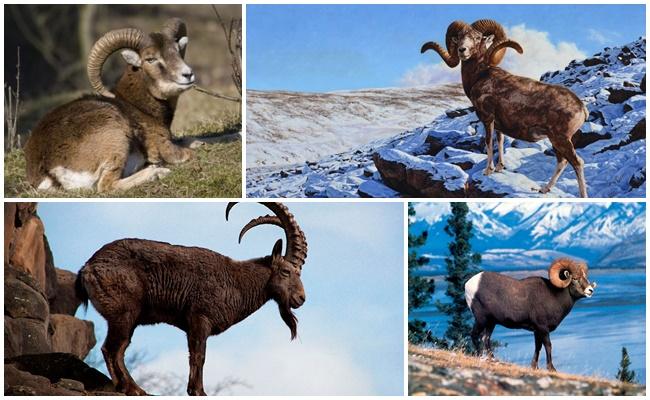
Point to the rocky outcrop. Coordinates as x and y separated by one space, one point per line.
44 342
54 374
435 372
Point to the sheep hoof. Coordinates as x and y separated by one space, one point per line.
544 189
500 167
160 172
488 171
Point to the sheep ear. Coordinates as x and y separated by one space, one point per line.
182 42
454 39
489 39
277 250
131 57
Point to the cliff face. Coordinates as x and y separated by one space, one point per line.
44 342
436 372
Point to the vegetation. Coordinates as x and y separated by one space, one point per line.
624 373
420 289
462 264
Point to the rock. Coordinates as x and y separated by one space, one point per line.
10 218
23 299
374 189
459 112
617 96
590 62
26 336
637 133
28 249
419 178
642 85
72 335
583 139
70 385
21 383
65 301
57 366
637 179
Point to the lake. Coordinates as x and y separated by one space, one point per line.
589 339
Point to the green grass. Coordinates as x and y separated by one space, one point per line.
214 171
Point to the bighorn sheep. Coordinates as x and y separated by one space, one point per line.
105 141
536 304
519 107
135 282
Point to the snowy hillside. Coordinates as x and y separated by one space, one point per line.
514 234
288 127
446 157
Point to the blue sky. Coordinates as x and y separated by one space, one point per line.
350 329
338 47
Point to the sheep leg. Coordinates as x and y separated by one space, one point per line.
500 165
477 330
538 347
578 165
489 128
559 168
196 341
149 174
546 339
117 340
489 329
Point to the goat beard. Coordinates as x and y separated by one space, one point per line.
289 318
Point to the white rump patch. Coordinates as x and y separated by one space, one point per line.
46 184
70 179
471 287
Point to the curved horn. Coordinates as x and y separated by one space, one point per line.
556 272
491 27
496 52
175 29
267 219
296 243
449 56
108 44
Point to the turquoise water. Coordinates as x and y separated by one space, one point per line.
589 340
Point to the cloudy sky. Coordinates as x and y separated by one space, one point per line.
350 329
336 47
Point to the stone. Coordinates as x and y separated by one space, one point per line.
23 300
70 384
26 336
57 366
590 62
72 335
617 96
10 217
374 189
65 301
28 249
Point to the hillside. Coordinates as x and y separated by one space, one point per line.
289 127
446 157
435 372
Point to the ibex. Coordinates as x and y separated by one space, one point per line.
105 141
134 282
519 107
536 304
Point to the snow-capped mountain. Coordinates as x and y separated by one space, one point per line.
425 161
513 235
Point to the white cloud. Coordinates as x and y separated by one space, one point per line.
273 366
432 212
602 37
540 55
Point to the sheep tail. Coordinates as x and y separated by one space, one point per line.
80 290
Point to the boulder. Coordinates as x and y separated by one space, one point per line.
26 336
10 217
22 383
65 300
58 366
419 178
617 96
375 189
71 335
23 299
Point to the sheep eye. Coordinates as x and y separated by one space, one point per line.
284 273
150 60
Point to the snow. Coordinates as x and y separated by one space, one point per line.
614 166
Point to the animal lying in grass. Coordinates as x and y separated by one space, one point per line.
116 140
536 304
519 107
134 282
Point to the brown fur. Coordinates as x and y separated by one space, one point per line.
519 107
134 282
95 135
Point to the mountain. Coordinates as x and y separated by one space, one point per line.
292 127
528 235
446 157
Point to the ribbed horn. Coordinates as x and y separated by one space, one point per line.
496 52
556 272
449 56
175 29
108 44
267 219
491 27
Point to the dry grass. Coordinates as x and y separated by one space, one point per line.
446 358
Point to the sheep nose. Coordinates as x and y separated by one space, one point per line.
462 49
302 298
189 75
